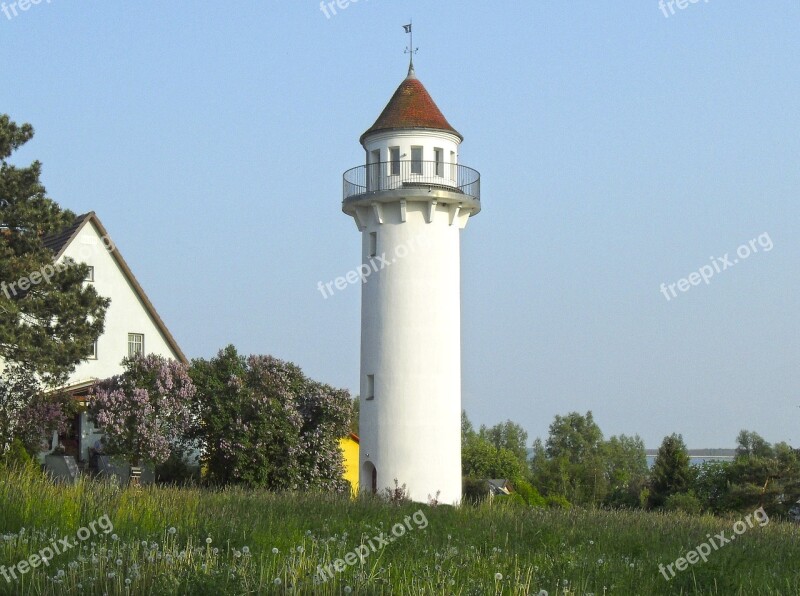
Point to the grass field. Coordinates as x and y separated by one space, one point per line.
194 541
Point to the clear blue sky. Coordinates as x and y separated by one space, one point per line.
619 150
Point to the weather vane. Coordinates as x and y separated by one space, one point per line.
410 50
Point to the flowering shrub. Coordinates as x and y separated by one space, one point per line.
263 423
26 412
145 412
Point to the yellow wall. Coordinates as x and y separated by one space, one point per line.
349 448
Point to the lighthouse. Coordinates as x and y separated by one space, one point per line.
410 200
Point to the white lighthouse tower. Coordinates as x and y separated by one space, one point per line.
410 200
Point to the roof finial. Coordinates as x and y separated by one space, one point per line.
410 50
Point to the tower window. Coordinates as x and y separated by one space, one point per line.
438 157
90 274
373 172
373 244
370 387
135 344
394 158
416 160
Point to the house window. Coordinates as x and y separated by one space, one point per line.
394 158
370 387
438 157
453 165
373 244
135 344
416 160
93 354
90 274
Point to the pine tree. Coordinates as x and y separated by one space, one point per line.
49 325
671 472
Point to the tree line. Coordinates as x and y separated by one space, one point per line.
576 465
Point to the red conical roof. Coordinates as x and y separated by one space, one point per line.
411 106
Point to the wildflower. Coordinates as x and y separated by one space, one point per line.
246 550
168 559
215 551
347 589
144 543
599 561
543 593
498 576
277 581
172 531
60 573
274 551
591 542
118 562
127 581
114 537
208 540
300 549
111 575
236 554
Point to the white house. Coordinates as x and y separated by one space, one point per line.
132 325
410 201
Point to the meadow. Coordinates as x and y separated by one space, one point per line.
165 540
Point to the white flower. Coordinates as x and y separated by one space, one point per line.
144 543
599 561
128 582
299 549
347 589
114 537
498 576
543 593
172 530
118 562
60 573
274 551
208 540
277 581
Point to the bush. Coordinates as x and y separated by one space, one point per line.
176 470
557 502
475 490
17 456
686 502
512 500
529 493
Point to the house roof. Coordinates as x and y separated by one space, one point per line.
410 107
58 244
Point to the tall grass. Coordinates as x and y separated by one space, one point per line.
233 541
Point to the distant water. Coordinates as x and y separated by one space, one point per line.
695 460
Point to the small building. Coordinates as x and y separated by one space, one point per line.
350 446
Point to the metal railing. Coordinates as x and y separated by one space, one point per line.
408 173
